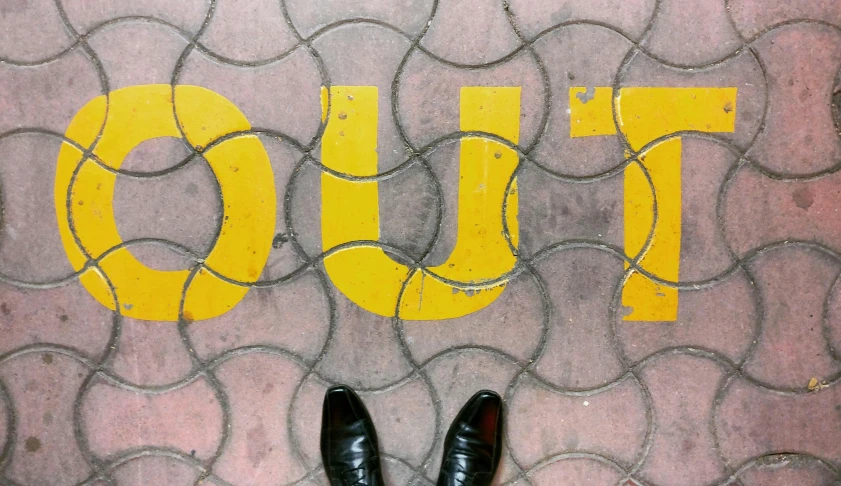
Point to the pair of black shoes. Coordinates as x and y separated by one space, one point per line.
350 450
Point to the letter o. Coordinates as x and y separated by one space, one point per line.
85 187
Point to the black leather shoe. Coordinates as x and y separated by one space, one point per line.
349 446
474 443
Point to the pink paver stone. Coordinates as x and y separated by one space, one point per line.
248 32
576 470
156 470
792 348
475 32
800 137
43 387
19 21
677 37
187 419
682 407
746 410
121 47
258 386
85 14
610 423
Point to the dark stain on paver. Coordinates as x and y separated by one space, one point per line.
571 441
279 240
803 198
62 318
33 444
192 189
258 446
4 308
47 358
804 94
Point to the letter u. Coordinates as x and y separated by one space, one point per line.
474 274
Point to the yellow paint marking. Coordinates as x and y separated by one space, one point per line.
350 209
651 301
587 112
644 115
240 164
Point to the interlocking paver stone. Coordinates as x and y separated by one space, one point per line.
746 410
366 54
309 16
580 350
34 253
802 210
793 284
65 315
576 470
567 55
800 89
123 47
682 407
702 42
543 422
787 469
43 386
248 31
736 385
470 32
189 15
21 21
428 95
364 351
260 386
150 353
522 303
155 470
282 96
115 420
743 71
753 17
31 98
268 317
722 317
630 18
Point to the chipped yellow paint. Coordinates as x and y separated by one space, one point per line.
240 164
644 115
350 210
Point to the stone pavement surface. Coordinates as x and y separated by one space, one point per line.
739 387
